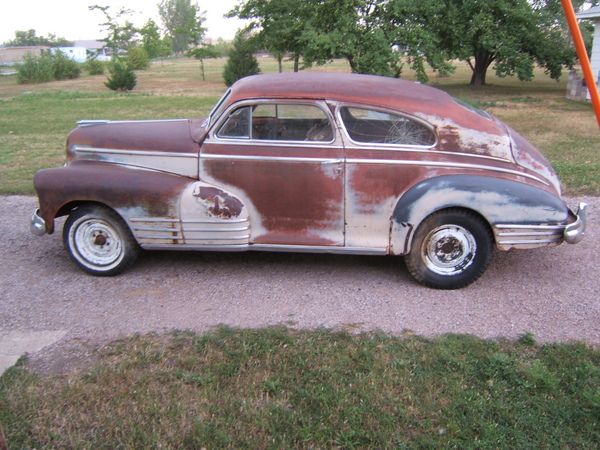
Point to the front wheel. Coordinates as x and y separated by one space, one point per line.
99 241
451 249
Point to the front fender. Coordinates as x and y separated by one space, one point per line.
496 200
119 187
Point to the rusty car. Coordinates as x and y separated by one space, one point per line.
310 162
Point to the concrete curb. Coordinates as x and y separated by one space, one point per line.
15 344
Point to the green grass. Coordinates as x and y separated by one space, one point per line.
280 388
35 119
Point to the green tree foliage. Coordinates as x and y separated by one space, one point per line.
514 35
378 36
181 18
122 77
153 43
137 58
47 67
120 31
241 62
278 25
29 38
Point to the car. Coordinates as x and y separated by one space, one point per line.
310 162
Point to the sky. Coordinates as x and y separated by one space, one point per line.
73 20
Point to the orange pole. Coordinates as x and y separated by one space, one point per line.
584 59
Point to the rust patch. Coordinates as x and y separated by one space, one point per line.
220 203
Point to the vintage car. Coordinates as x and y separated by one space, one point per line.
309 162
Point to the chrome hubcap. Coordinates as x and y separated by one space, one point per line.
449 249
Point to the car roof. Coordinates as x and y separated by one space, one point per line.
367 89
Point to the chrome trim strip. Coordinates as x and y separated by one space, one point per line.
270 248
153 219
215 230
444 164
114 151
158 229
375 161
318 249
85 122
217 238
267 158
228 221
531 227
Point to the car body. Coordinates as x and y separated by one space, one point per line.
310 162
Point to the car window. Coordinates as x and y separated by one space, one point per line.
377 127
278 122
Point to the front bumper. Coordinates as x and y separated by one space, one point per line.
575 231
37 224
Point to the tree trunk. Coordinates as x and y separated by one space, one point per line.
483 60
296 63
280 62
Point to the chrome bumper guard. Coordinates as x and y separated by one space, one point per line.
37 225
575 231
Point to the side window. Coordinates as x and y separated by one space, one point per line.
376 127
278 122
237 125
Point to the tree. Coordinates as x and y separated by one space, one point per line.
120 36
122 77
514 35
241 62
278 25
29 38
180 18
153 43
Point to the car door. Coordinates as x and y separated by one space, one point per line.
286 162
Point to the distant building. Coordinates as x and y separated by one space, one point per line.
12 55
594 15
77 54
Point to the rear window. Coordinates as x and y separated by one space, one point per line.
377 127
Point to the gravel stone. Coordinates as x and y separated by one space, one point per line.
553 293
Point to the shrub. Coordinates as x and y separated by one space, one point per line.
137 58
241 62
121 78
63 67
94 67
35 69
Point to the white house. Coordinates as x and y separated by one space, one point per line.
594 15
78 54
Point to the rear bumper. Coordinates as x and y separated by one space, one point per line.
532 236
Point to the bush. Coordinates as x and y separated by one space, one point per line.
121 78
47 67
241 62
35 69
94 67
137 58
63 67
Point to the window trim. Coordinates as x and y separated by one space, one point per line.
320 104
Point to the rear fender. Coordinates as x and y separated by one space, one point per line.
496 200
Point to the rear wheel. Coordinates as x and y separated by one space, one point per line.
451 249
99 240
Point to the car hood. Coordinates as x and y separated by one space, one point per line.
165 145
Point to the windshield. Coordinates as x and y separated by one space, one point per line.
216 111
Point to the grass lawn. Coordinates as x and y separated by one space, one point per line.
279 388
35 119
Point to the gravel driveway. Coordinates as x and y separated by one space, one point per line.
553 293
